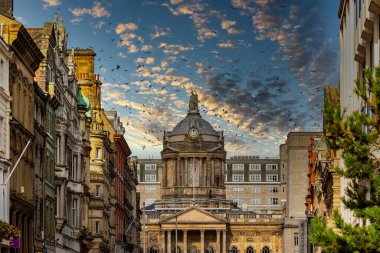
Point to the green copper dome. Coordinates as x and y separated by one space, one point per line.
83 102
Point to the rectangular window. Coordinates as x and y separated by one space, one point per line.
149 201
237 167
138 172
255 201
150 190
237 177
255 167
98 153
150 167
75 167
97 190
225 177
74 212
97 227
295 239
254 178
255 189
238 190
150 178
273 201
272 189
58 149
271 167
272 177
2 73
238 201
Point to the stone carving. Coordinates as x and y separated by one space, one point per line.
193 103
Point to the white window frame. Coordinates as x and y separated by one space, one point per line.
238 190
98 153
151 166
150 190
272 189
254 178
273 201
237 177
271 167
238 167
255 189
97 227
74 212
255 167
255 201
272 177
150 178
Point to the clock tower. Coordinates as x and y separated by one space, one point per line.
193 160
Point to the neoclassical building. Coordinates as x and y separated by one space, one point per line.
193 214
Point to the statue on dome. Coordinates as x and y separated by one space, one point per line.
193 104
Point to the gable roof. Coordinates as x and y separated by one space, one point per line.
193 215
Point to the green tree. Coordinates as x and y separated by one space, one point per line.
357 136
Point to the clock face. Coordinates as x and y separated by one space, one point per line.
193 132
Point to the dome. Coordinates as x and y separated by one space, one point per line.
193 120
83 102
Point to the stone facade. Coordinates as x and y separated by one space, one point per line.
23 64
294 153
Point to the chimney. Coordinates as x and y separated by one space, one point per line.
6 8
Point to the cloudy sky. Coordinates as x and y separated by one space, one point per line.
259 66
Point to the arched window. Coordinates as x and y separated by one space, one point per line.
250 250
234 250
266 250
153 250
210 250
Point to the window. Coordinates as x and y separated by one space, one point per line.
225 177
97 190
238 190
2 73
237 177
98 153
225 167
150 178
272 177
255 167
272 189
150 167
239 201
58 149
149 201
295 239
236 167
150 190
271 167
250 250
265 250
74 212
97 227
75 167
254 178
234 250
138 172
256 201
273 201
255 189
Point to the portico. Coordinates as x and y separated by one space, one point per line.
197 230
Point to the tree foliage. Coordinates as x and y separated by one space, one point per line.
357 136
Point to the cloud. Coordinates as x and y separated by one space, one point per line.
97 11
49 3
122 27
227 24
122 55
176 1
149 60
132 49
160 32
100 24
226 44
174 49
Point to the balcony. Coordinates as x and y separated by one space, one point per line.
61 173
75 187
190 191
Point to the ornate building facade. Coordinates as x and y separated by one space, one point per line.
25 61
193 213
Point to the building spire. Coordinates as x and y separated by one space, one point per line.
193 103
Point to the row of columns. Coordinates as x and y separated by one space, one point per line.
166 244
206 168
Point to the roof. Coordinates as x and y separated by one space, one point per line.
193 120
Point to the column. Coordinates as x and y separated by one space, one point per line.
208 170
201 172
224 249
178 172
163 240
169 241
184 241
213 172
218 241
202 241
175 168
186 174
62 151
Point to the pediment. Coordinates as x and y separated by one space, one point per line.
194 215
